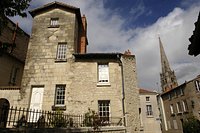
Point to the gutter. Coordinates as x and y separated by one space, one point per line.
123 92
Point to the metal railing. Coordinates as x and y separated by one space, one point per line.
21 117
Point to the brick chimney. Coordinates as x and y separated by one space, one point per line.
84 41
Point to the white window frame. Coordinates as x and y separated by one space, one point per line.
149 110
172 108
185 105
181 91
61 51
60 95
175 124
103 73
179 109
104 110
197 85
54 22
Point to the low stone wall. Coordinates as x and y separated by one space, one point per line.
63 130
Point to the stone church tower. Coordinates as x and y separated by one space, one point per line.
167 76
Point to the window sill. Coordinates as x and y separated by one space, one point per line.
54 26
58 107
60 60
185 112
149 116
173 114
179 113
103 84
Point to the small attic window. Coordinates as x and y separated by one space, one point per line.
54 22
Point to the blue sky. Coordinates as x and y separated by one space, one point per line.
117 25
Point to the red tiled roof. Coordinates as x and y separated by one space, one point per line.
145 91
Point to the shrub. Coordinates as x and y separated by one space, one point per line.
192 125
92 119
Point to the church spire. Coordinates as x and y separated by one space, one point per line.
167 77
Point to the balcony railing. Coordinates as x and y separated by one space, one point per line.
21 117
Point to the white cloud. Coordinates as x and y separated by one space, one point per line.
106 34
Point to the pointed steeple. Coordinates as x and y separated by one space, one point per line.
167 77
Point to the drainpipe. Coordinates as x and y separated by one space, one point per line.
123 93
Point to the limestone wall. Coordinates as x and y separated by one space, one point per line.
131 94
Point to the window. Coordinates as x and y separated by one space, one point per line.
179 108
169 96
185 106
175 124
60 95
172 109
61 51
169 125
147 99
13 75
104 110
181 91
197 85
103 73
149 110
54 22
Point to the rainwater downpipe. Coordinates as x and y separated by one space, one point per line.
123 93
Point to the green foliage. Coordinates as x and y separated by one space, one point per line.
21 122
58 119
192 125
92 119
11 8
14 7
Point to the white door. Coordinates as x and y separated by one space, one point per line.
36 103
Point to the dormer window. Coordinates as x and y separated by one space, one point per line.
54 22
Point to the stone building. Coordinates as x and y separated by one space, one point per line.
167 76
179 104
59 74
11 61
149 113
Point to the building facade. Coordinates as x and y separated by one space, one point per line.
12 61
59 74
13 46
180 104
149 113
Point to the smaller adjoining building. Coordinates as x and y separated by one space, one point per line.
12 60
179 104
149 113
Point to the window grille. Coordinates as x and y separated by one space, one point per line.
149 110
54 22
104 110
60 95
61 51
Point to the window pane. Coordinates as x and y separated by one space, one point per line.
60 95
103 73
104 110
61 52
54 22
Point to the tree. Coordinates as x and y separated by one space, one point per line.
194 47
192 125
11 8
